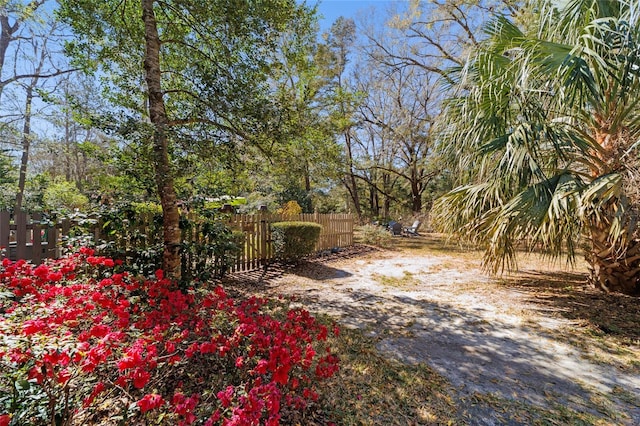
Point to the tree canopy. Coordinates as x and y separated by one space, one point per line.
189 75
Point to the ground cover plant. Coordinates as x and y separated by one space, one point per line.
83 343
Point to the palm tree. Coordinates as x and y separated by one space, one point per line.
545 129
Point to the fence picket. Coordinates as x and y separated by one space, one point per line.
36 239
32 240
5 231
21 235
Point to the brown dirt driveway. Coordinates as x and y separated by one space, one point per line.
539 338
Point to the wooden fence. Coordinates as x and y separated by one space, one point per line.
27 237
337 231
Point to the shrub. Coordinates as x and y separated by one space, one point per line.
81 343
290 208
375 235
133 233
294 240
209 250
64 197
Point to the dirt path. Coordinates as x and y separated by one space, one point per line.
497 344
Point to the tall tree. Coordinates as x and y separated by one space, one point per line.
204 79
160 121
30 61
334 56
308 157
13 15
545 127
440 33
40 55
398 112
75 147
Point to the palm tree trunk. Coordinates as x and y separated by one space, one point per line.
611 269
158 116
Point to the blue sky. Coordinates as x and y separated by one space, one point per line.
330 10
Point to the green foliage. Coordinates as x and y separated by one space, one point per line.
28 401
64 197
132 233
545 135
294 240
7 169
290 208
374 235
218 202
298 194
8 181
209 249
255 200
218 62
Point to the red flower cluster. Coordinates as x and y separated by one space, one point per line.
79 320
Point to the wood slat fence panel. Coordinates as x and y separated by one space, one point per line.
25 237
337 231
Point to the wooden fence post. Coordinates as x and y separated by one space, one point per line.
5 231
52 242
21 234
262 229
36 242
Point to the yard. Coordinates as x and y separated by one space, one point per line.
430 339
424 337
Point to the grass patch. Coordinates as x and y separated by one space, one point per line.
407 280
509 411
372 390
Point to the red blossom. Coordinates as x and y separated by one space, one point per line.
150 402
140 378
97 389
120 324
5 419
33 326
226 396
41 271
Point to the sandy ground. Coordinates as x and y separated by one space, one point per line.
485 338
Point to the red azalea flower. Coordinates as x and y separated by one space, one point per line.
140 378
97 389
5 419
41 271
33 326
150 402
226 396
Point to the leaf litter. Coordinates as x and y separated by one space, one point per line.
431 339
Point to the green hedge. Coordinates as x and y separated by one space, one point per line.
294 240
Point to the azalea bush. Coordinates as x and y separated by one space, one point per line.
82 342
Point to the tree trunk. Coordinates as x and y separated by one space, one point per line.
374 201
612 270
6 36
159 120
26 127
416 187
416 200
350 178
26 144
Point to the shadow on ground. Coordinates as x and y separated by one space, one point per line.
486 361
503 372
566 294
